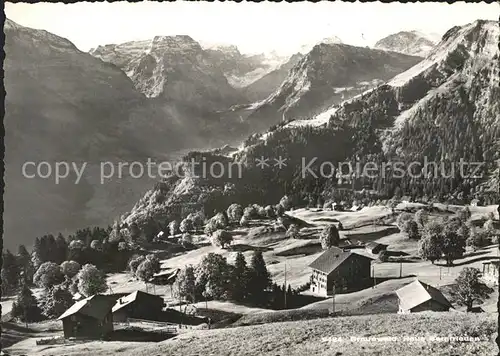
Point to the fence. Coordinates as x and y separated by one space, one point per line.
166 327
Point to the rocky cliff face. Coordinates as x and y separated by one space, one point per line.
266 85
64 105
412 43
326 76
172 68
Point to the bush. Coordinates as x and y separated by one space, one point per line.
403 222
469 288
134 262
250 212
56 301
244 221
329 237
286 202
270 213
186 226
91 281
25 307
148 268
48 274
220 221
173 227
412 230
293 232
70 268
221 238
421 217
235 212
197 218
210 227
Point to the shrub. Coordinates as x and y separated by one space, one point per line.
56 301
412 230
134 262
270 213
329 237
173 227
25 307
293 232
469 289
221 238
48 274
70 268
250 212
286 202
186 225
148 268
403 222
235 212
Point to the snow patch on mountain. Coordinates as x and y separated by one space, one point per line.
489 33
306 48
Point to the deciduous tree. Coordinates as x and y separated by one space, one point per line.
329 237
468 288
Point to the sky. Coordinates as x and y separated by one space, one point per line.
253 27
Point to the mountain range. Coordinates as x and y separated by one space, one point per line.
412 43
161 97
445 107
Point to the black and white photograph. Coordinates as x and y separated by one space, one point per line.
250 178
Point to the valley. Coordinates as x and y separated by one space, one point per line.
280 258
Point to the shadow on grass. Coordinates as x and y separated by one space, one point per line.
455 264
137 334
245 247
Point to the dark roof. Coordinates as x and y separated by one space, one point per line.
96 306
133 297
417 293
332 258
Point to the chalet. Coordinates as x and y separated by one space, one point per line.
418 296
340 269
88 318
338 207
490 271
138 305
166 277
375 247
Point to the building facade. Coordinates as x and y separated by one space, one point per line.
342 270
89 318
418 296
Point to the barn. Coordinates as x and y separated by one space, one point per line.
418 296
88 318
138 305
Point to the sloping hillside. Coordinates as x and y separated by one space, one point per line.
388 335
266 85
327 75
412 43
63 105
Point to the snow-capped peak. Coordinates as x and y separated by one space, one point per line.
306 48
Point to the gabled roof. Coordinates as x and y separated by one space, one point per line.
131 298
333 258
96 306
417 293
